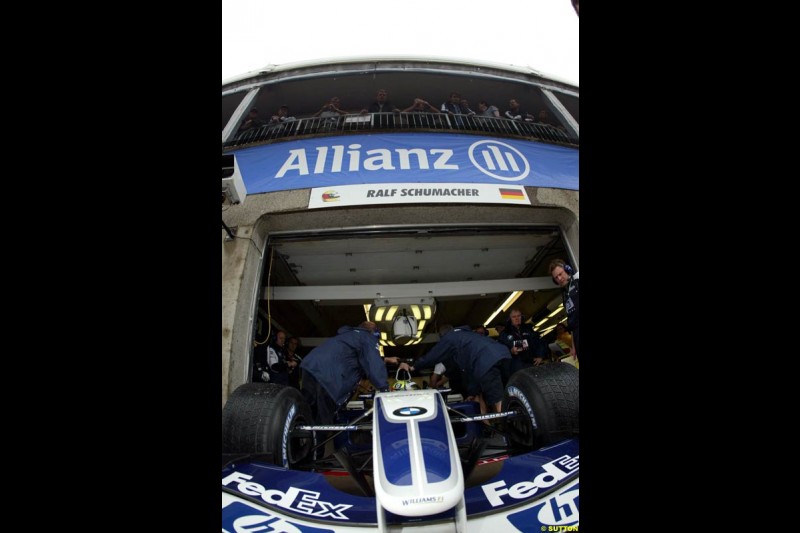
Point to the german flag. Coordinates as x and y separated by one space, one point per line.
511 194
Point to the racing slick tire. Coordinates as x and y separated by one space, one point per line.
259 418
547 395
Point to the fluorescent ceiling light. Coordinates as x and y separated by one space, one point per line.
510 300
544 331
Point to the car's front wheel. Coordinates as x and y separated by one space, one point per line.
259 419
546 397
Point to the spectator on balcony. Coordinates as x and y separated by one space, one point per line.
453 104
250 122
544 118
423 120
281 116
514 112
331 108
465 110
420 106
486 110
330 113
381 104
280 123
453 108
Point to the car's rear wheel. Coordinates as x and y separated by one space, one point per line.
546 396
259 419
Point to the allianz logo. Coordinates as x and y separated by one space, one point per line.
494 158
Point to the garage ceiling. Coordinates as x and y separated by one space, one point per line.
418 259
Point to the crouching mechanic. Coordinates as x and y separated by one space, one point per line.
484 362
332 370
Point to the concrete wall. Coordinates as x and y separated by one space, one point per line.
568 200
241 274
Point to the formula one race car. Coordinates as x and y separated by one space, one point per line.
410 461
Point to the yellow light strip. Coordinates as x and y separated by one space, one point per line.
510 300
547 330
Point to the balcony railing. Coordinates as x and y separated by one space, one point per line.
392 122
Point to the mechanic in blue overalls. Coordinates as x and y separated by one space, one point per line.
332 370
484 362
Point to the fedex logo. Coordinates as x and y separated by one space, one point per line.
554 471
299 500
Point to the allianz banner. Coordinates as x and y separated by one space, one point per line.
406 158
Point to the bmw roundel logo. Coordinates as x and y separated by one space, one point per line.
409 411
